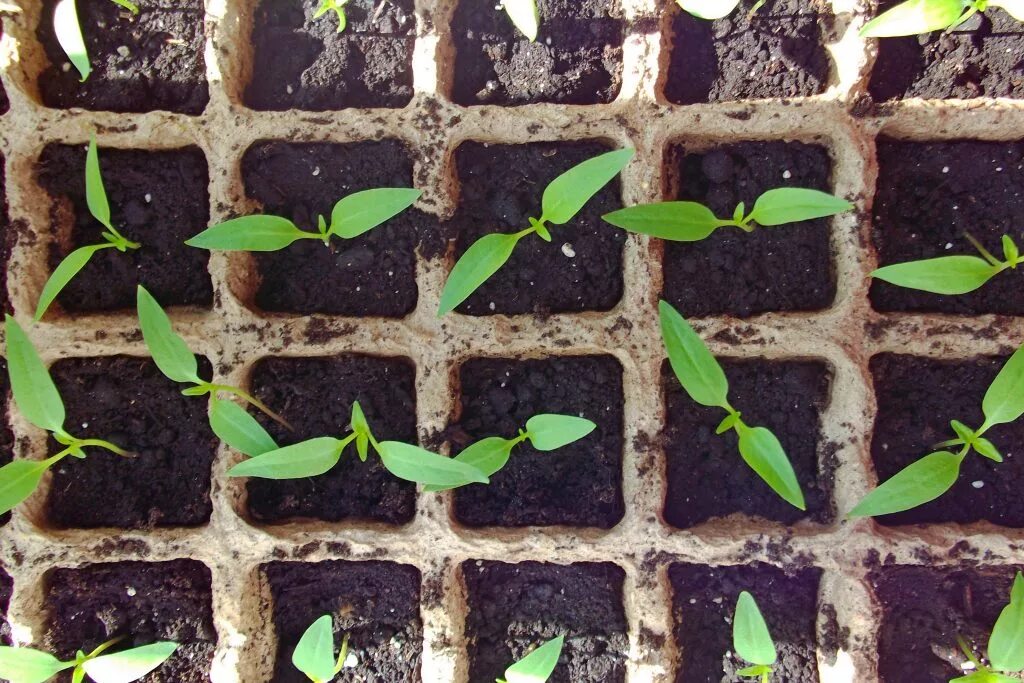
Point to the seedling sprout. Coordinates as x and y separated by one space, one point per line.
69 33
25 665
1005 644
924 16
314 654
952 274
525 16
751 639
336 6
537 666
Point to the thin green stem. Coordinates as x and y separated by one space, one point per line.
985 253
100 443
105 646
249 398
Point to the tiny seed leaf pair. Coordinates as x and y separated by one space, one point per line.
1005 644
751 639
69 33
924 16
314 653
525 16
336 6
537 666
952 274
25 665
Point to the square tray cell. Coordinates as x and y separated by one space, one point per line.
703 604
373 274
315 395
707 477
929 196
376 603
577 485
917 397
145 62
515 607
777 51
502 185
143 602
304 63
732 272
128 402
157 198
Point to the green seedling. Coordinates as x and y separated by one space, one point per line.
525 16
704 380
952 274
314 654
691 222
96 199
751 639
537 666
69 33
562 200
37 398
352 216
924 16
1005 644
25 665
336 6
934 474
714 9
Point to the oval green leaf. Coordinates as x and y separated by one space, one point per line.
914 17
170 352
750 636
709 9
549 432
763 452
25 665
793 204
69 35
314 653
943 275
237 428
565 195
674 221
916 484
249 233
64 273
1006 644
481 261
95 194
487 455
306 459
363 211
18 479
35 394
525 16
537 666
1004 400
697 370
413 463
129 665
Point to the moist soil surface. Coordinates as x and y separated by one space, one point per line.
579 484
917 398
376 603
930 196
513 608
304 63
777 51
501 188
6 590
127 401
143 602
144 62
6 435
315 396
707 477
7 239
732 272
158 199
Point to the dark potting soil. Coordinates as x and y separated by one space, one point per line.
929 196
502 187
145 62
579 484
6 590
707 477
7 238
917 397
924 609
143 602
315 395
373 274
577 58
6 435
513 608
376 603
304 63
786 268
157 198
777 51
703 604
5 103
127 401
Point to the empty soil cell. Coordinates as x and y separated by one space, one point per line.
777 51
157 198
149 61
501 188
577 485
917 398
706 475
127 401
142 602
732 272
315 395
304 63
515 607
376 603
929 197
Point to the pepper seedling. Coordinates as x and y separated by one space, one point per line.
924 16
537 666
934 474
704 380
525 16
751 639
69 33
96 200
351 216
952 274
1005 644
563 198
336 6
314 653
25 665
714 9
40 403
692 221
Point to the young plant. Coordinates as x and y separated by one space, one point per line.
25 665
1005 644
924 16
714 9
314 655
952 274
352 216
37 398
336 6
562 200
751 639
96 199
691 222
537 666
525 16
934 474
704 380
69 33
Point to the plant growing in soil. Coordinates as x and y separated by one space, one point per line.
705 382
952 274
714 9
751 639
562 200
525 16
336 6
537 666
37 398
25 665
924 16
1005 644
314 654
69 33
692 222
96 199
934 474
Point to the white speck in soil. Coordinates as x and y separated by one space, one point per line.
65 67
351 661
945 169
568 250
491 305
977 484
124 51
289 89
131 592
148 198
316 171
787 174
949 245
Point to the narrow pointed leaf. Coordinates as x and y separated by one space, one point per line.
130 6
793 204
64 273
675 221
306 459
525 16
35 394
943 275
18 479
1004 400
697 370
1011 252
129 665
69 35
750 636
753 671
1015 8
549 432
987 449
566 194
249 233
488 455
95 194
481 261
764 454
237 428
25 665
1006 644
537 666
170 352
363 211
413 463
709 9
914 17
314 653
916 484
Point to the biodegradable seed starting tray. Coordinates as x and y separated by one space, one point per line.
636 551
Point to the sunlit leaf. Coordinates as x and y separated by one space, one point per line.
363 211
764 454
1006 644
793 204
314 653
25 665
916 484
237 428
709 9
549 432
537 666
487 455
249 233
306 459
1004 400
943 275
567 194
697 370
64 273
129 665
675 221
95 194
525 16
69 35
18 479
750 636
914 17
481 261
35 394
413 463
170 352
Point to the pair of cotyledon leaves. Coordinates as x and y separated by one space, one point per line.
26 665
952 274
924 16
